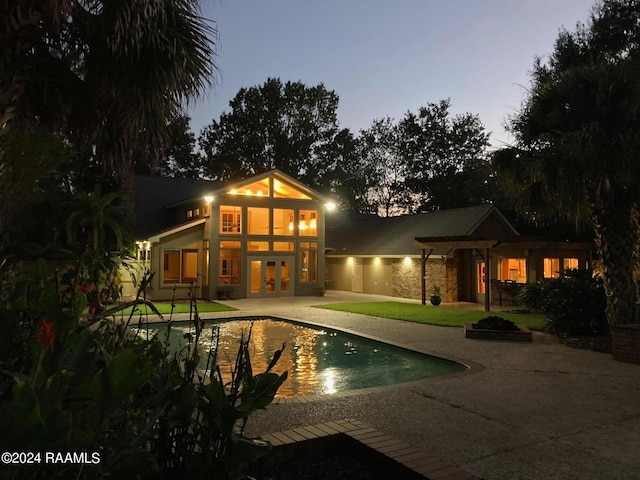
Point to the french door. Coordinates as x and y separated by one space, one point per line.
272 276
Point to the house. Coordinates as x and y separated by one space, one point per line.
406 256
260 237
270 235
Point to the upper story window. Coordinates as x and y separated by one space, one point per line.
258 221
283 221
308 223
230 219
193 213
264 188
257 189
284 190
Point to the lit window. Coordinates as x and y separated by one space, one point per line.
258 221
230 219
552 266
513 269
482 286
258 246
256 189
284 190
283 246
230 263
180 266
283 221
308 223
308 262
205 262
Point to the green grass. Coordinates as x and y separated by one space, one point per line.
442 316
180 307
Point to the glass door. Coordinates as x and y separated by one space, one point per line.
270 277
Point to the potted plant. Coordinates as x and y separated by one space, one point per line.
435 296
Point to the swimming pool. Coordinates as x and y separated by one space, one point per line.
318 360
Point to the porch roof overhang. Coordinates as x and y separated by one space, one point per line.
481 243
158 236
455 242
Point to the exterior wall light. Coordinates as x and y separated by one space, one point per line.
208 198
330 206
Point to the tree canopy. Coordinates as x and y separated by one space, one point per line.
429 160
105 76
577 140
288 126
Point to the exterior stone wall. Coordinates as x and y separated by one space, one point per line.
407 282
450 293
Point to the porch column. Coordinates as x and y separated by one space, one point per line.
423 276
487 280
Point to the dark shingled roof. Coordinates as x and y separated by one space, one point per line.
153 194
395 236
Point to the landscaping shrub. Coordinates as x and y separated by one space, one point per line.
496 323
574 303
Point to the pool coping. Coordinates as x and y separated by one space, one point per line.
423 464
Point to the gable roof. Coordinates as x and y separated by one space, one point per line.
395 236
153 194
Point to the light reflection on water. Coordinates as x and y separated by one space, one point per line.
319 361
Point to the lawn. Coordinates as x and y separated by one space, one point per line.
180 307
442 316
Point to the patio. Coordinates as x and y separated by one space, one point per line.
525 411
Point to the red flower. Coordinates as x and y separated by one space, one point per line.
47 335
86 287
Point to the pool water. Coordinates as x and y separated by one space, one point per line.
318 360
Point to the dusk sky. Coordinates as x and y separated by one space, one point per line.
383 58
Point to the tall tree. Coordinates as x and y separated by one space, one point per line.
288 126
108 75
427 161
577 142
446 156
384 168
179 157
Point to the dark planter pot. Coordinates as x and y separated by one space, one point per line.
435 300
625 343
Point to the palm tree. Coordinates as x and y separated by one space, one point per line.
107 74
577 139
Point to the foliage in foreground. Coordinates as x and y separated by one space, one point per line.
138 410
440 316
574 303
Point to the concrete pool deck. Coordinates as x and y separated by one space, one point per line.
536 410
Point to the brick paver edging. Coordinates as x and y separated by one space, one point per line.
428 466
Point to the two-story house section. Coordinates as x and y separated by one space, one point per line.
261 237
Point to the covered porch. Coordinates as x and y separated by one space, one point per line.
490 271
